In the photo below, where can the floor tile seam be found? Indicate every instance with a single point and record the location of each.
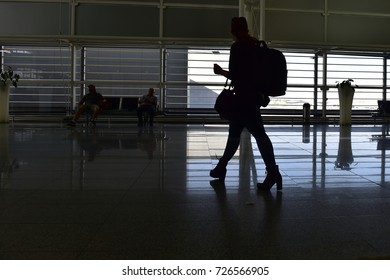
(92, 237)
(39, 250)
(384, 186)
(122, 198)
(99, 225)
(65, 203)
(373, 182)
(370, 245)
(297, 146)
(352, 216)
(212, 157)
(51, 223)
(325, 207)
(16, 200)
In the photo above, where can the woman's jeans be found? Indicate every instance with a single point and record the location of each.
(249, 118)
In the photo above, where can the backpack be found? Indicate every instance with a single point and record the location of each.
(271, 69)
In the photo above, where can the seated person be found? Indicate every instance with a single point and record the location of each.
(92, 102)
(147, 103)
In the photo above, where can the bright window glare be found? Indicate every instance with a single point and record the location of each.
(188, 80)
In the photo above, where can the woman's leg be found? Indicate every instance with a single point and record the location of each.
(255, 126)
(233, 141)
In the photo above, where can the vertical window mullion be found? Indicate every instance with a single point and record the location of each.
(384, 78)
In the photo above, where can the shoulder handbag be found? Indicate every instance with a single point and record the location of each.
(225, 103)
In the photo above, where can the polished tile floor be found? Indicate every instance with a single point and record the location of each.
(117, 192)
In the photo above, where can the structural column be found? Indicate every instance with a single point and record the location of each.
(254, 12)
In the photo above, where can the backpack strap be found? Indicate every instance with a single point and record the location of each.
(263, 43)
(226, 83)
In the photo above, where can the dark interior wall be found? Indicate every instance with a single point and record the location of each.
(18, 18)
(117, 20)
(347, 22)
(182, 19)
(335, 22)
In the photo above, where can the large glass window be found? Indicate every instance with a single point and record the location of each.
(388, 74)
(367, 73)
(45, 75)
(301, 81)
(122, 71)
(192, 83)
(176, 77)
(184, 75)
(203, 85)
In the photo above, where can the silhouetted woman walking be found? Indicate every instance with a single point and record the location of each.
(248, 101)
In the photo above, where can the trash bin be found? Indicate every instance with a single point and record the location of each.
(305, 133)
(306, 113)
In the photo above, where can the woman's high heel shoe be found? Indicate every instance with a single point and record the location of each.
(273, 177)
(219, 172)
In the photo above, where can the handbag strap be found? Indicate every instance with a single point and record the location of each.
(230, 84)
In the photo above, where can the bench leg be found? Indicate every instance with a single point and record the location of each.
(145, 118)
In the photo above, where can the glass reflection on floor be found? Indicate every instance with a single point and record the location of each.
(180, 156)
(319, 156)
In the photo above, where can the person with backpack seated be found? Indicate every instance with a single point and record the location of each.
(91, 102)
(147, 103)
(247, 106)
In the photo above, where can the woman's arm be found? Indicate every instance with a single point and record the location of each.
(219, 71)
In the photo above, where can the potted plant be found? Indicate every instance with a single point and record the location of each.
(348, 83)
(346, 91)
(7, 78)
